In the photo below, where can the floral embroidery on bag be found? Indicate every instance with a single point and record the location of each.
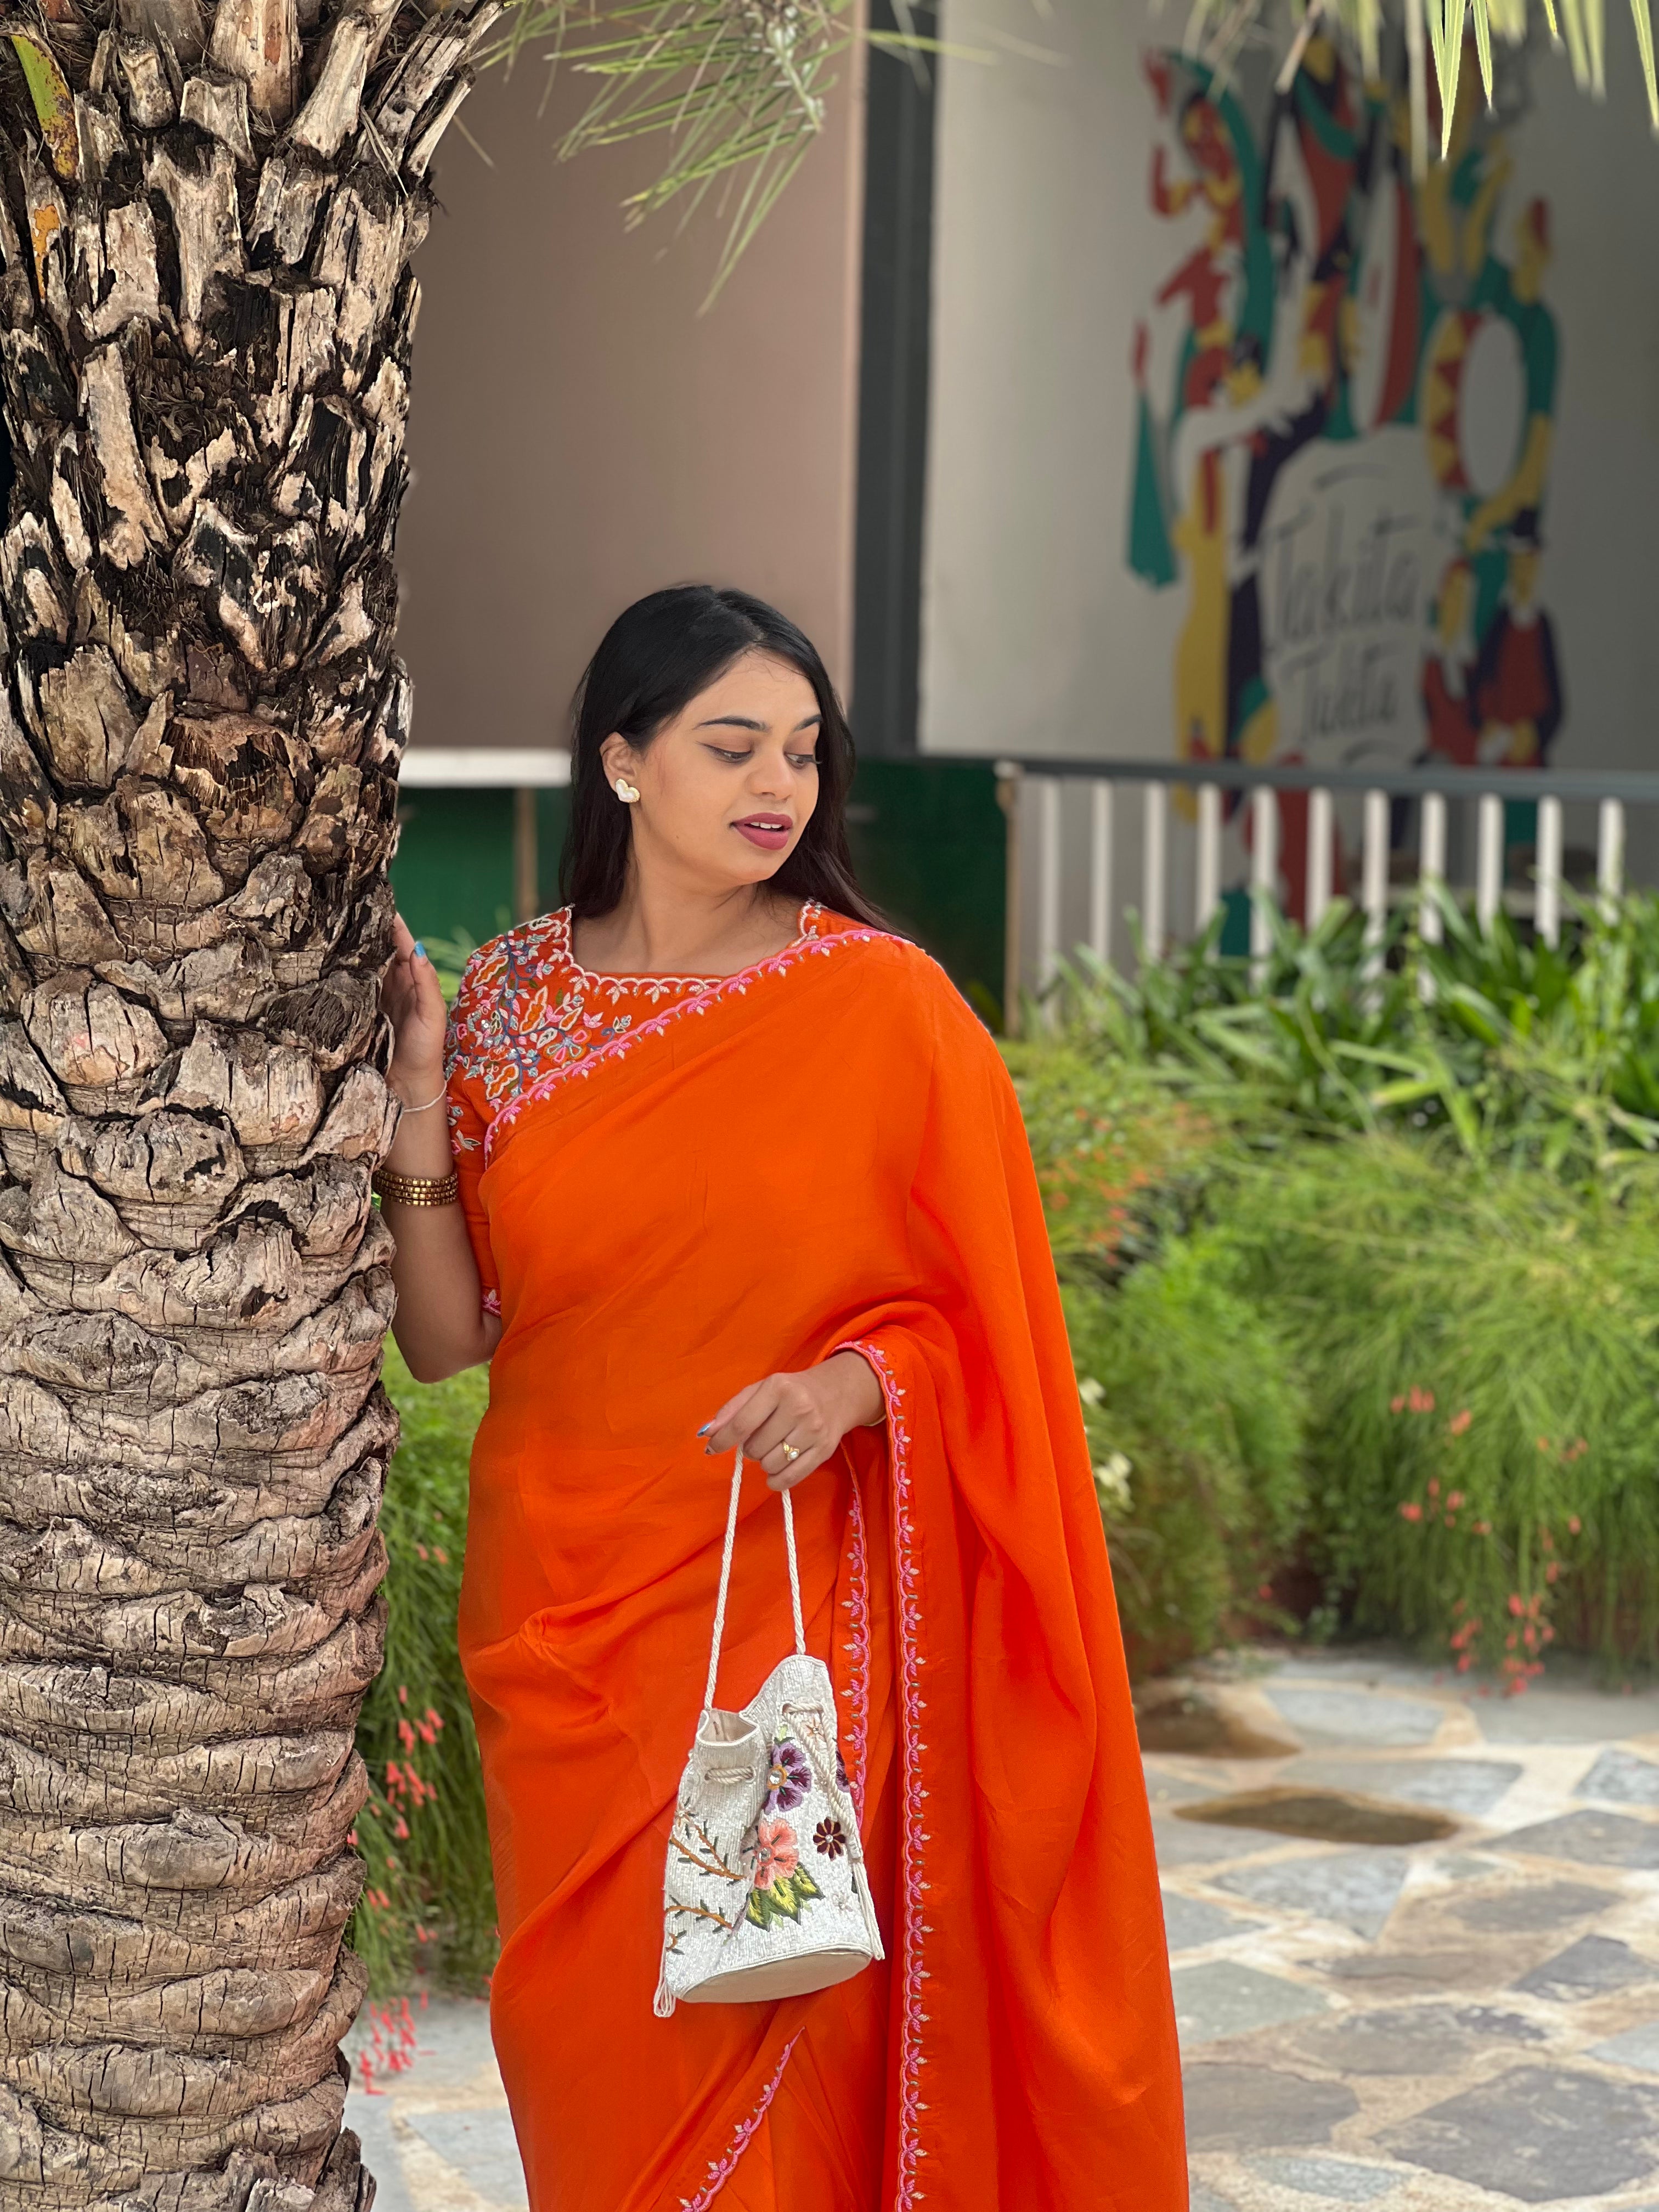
(789, 1778)
(830, 1839)
(782, 1884)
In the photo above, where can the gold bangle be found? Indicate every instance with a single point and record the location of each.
(417, 1190)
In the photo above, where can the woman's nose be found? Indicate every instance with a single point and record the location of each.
(770, 779)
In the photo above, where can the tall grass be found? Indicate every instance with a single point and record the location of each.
(1196, 1418)
(428, 1904)
(1481, 1357)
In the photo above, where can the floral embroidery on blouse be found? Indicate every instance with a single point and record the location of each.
(526, 1007)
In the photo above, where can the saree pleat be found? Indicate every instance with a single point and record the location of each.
(824, 1151)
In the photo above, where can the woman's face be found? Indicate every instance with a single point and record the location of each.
(727, 788)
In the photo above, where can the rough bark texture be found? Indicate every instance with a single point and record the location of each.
(205, 317)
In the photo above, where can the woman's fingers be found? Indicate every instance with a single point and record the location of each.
(781, 1424)
(430, 992)
(796, 1470)
(725, 1432)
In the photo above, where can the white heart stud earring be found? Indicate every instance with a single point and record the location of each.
(626, 792)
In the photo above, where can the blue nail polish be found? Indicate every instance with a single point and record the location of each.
(419, 950)
(706, 1427)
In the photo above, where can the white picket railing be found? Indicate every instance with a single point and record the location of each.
(1093, 843)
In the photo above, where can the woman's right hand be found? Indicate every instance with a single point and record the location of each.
(412, 1001)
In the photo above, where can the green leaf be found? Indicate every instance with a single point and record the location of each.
(54, 105)
(1644, 40)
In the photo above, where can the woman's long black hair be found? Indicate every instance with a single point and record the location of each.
(652, 661)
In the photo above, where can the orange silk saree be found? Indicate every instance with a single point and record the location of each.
(676, 1186)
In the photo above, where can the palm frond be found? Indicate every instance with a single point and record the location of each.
(737, 87)
(1212, 30)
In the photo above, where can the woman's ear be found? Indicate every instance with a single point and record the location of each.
(617, 758)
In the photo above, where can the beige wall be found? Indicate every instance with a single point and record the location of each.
(580, 436)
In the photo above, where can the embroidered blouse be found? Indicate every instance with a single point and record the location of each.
(525, 1009)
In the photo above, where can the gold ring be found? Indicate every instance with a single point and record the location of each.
(791, 1452)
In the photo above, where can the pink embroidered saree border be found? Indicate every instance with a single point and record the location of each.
(728, 987)
(912, 1797)
(721, 2170)
(858, 1647)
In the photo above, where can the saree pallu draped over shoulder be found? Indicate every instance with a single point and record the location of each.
(822, 1151)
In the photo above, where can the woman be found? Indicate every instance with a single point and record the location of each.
(736, 1166)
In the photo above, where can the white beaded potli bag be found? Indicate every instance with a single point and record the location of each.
(765, 1893)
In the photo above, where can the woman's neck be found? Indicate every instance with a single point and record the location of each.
(663, 930)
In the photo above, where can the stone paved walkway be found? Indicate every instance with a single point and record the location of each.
(1467, 2023)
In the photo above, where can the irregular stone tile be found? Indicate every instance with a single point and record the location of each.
(1209, 1720)
(1555, 1711)
(1245, 2108)
(1619, 1778)
(1636, 2046)
(1225, 1998)
(1593, 1838)
(1332, 2180)
(1377, 1666)
(1357, 1888)
(1206, 2200)
(1188, 1921)
(1413, 2038)
(1451, 1785)
(1323, 1816)
(481, 2146)
(371, 2119)
(1192, 1843)
(1164, 1788)
(1537, 2133)
(1464, 1866)
(1530, 1908)
(1427, 1972)
(1503, 2026)
(1587, 1967)
(1350, 1717)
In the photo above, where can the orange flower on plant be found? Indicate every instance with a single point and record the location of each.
(1410, 1511)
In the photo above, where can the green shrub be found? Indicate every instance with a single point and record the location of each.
(1123, 1159)
(1195, 1422)
(428, 1905)
(1482, 1367)
(1511, 1051)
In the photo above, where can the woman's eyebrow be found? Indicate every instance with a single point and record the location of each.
(747, 722)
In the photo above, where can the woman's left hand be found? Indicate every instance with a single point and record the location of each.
(809, 1413)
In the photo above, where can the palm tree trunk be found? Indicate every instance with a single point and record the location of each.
(205, 317)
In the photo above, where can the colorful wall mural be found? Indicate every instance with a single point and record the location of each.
(1346, 474)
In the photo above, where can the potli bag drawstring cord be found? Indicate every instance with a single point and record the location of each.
(726, 1577)
(663, 2005)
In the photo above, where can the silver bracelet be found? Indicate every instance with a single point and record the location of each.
(429, 1104)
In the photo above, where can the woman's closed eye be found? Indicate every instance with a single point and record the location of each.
(738, 759)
